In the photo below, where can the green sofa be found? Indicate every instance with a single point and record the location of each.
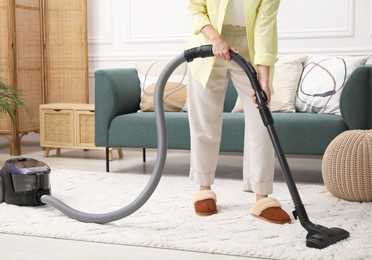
(118, 124)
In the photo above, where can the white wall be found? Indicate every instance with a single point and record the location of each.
(121, 32)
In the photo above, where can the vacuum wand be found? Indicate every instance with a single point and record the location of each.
(318, 236)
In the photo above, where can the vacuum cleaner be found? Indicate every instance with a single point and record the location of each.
(25, 181)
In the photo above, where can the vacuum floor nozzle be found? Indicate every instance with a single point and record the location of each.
(321, 237)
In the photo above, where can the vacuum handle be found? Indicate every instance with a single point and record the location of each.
(203, 51)
(206, 51)
(261, 96)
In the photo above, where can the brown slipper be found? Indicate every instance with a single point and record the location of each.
(269, 209)
(205, 203)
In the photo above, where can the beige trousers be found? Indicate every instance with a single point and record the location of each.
(205, 115)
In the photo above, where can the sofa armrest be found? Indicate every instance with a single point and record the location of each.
(356, 99)
(117, 91)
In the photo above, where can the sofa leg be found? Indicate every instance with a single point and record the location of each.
(144, 154)
(107, 159)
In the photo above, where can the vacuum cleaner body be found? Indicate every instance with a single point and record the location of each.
(23, 181)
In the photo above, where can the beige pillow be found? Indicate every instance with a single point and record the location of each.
(287, 75)
(175, 93)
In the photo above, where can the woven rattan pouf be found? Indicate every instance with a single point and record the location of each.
(347, 166)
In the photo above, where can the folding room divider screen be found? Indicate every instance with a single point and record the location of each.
(43, 54)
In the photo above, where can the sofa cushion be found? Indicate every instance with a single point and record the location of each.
(230, 97)
(175, 92)
(287, 75)
(300, 133)
(141, 127)
(307, 133)
(322, 82)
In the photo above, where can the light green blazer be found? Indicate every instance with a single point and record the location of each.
(261, 29)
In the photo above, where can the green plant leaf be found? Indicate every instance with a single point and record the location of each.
(9, 100)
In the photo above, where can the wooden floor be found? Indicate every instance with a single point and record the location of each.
(304, 169)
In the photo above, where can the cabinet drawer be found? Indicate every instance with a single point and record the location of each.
(85, 128)
(57, 128)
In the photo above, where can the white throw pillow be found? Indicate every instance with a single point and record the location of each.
(322, 81)
(285, 83)
(175, 94)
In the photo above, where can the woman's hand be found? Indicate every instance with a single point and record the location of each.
(220, 48)
(263, 78)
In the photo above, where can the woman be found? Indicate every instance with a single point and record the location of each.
(247, 27)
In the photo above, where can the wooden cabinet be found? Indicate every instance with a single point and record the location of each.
(85, 127)
(64, 125)
(43, 54)
(57, 127)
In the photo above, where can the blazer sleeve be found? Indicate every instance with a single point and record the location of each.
(265, 34)
(199, 15)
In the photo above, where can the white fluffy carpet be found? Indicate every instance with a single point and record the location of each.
(167, 220)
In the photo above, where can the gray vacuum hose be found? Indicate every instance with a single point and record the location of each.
(188, 55)
(157, 171)
(317, 237)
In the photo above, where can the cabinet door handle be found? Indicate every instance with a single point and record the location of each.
(57, 110)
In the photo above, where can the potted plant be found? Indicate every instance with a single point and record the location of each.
(9, 100)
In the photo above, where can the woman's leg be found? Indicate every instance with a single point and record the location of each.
(205, 117)
(259, 156)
